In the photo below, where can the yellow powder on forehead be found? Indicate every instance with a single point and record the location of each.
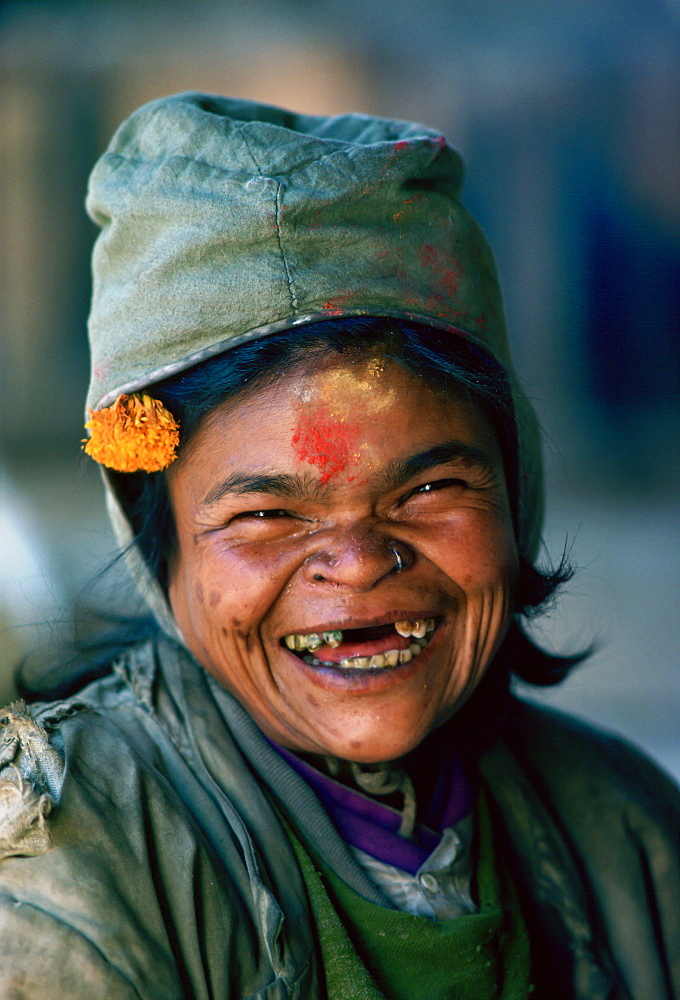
(135, 434)
(375, 367)
(344, 384)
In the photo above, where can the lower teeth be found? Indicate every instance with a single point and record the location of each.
(390, 658)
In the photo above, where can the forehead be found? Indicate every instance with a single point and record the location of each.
(343, 380)
(330, 413)
(346, 386)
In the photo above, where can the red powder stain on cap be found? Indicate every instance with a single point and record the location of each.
(336, 306)
(324, 441)
(402, 144)
(445, 268)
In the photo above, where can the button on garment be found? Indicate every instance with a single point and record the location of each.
(429, 882)
(440, 889)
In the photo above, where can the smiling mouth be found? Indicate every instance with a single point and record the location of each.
(372, 648)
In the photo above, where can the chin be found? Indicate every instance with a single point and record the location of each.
(373, 749)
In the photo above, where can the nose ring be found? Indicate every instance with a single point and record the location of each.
(399, 565)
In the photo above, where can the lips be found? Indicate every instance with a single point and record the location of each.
(366, 648)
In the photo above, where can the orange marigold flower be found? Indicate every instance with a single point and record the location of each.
(136, 433)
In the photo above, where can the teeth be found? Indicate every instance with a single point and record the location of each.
(391, 658)
(299, 642)
(332, 639)
(417, 630)
(357, 662)
(315, 662)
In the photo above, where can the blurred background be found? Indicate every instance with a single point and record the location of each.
(568, 117)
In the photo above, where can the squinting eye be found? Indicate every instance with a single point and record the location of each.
(437, 486)
(269, 523)
(440, 484)
(264, 513)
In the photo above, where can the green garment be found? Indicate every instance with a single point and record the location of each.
(373, 952)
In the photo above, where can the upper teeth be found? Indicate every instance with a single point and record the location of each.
(417, 628)
(314, 640)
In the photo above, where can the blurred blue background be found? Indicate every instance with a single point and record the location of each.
(568, 117)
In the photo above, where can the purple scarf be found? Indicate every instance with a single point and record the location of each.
(372, 826)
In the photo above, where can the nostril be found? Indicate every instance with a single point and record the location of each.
(358, 560)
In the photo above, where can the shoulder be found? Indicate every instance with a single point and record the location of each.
(610, 801)
(58, 909)
(595, 830)
(107, 871)
(587, 768)
(94, 746)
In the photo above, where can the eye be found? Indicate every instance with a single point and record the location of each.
(267, 524)
(262, 514)
(439, 484)
(435, 487)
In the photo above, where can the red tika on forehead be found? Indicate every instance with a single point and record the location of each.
(325, 441)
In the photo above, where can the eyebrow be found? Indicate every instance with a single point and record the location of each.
(396, 474)
(289, 487)
(399, 471)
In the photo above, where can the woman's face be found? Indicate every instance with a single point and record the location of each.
(294, 507)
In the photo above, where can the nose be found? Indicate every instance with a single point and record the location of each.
(357, 559)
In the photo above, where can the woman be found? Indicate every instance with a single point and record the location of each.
(312, 780)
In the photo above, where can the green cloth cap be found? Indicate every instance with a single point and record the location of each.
(224, 220)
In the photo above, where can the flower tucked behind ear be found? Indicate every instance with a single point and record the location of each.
(134, 434)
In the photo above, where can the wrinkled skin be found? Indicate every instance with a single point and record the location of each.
(310, 546)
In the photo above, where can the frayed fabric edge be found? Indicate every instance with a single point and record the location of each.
(31, 775)
(23, 816)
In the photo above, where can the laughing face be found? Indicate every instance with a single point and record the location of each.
(345, 560)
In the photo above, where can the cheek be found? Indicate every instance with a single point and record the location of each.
(476, 552)
(226, 589)
(490, 560)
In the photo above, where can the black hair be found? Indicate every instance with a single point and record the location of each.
(446, 363)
